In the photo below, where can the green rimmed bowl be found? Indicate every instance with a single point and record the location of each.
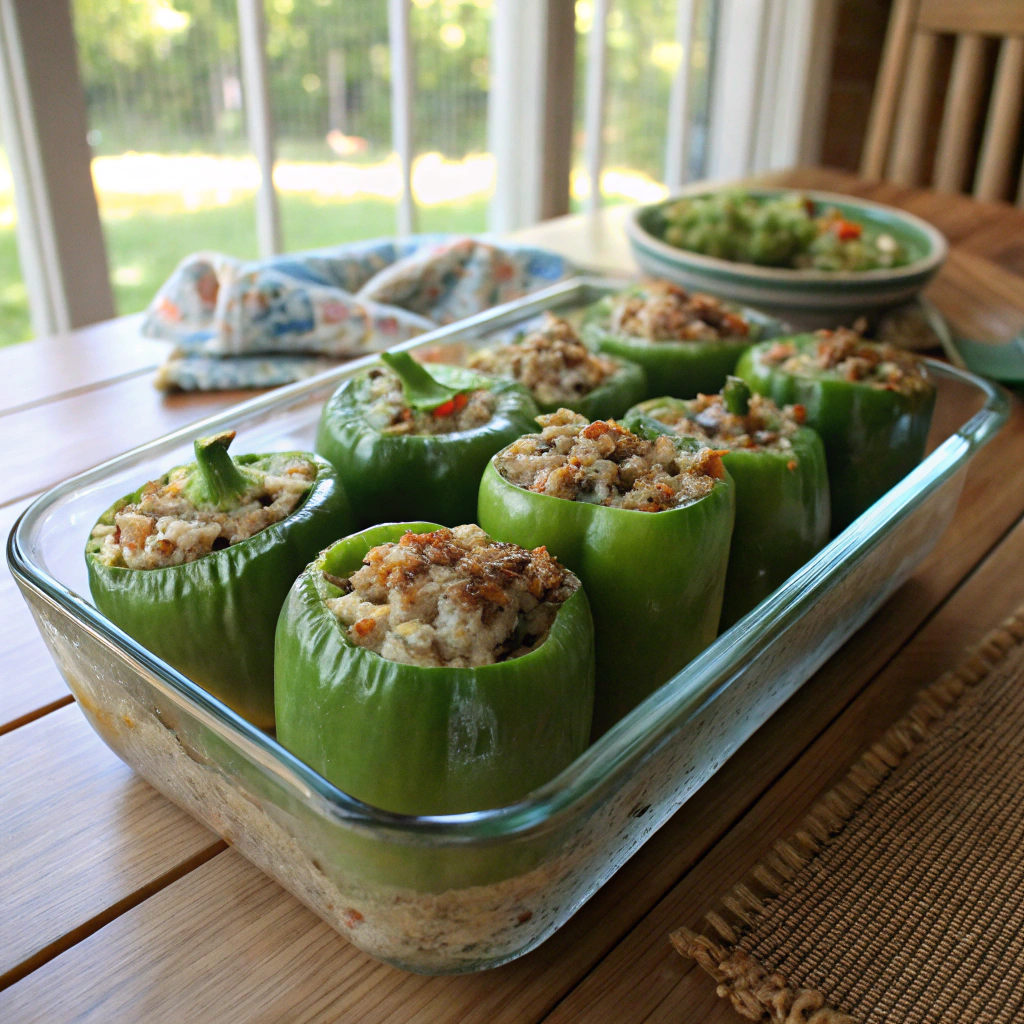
(808, 299)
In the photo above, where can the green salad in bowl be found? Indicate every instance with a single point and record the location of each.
(790, 230)
(816, 259)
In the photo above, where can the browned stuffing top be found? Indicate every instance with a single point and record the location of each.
(764, 426)
(451, 598)
(605, 464)
(845, 355)
(662, 311)
(551, 361)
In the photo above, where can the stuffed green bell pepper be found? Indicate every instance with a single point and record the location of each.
(410, 442)
(778, 467)
(645, 524)
(427, 670)
(196, 565)
(687, 344)
(562, 373)
(870, 403)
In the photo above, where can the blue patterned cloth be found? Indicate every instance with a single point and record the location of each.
(269, 322)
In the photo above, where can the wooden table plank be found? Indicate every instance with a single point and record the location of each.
(60, 438)
(84, 837)
(980, 299)
(644, 979)
(215, 934)
(596, 242)
(36, 371)
(31, 683)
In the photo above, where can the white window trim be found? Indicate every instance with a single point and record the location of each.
(772, 67)
(528, 119)
(60, 241)
(259, 119)
(400, 44)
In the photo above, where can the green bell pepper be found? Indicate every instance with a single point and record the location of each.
(555, 340)
(874, 435)
(391, 477)
(426, 740)
(655, 580)
(213, 618)
(782, 497)
(624, 388)
(683, 369)
(607, 400)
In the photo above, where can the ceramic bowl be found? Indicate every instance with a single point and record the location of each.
(808, 299)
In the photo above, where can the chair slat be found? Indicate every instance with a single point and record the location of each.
(983, 17)
(887, 89)
(912, 123)
(960, 117)
(1001, 129)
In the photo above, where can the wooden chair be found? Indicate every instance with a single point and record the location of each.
(900, 138)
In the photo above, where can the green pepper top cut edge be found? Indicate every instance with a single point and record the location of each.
(735, 419)
(551, 361)
(450, 598)
(659, 312)
(605, 463)
(843, 355)
(202, 507)
(405, 398)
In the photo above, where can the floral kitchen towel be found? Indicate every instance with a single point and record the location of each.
(273, 321)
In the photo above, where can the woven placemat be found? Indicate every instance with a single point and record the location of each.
(901, 896)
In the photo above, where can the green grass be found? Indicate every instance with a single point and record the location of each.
(145, 247)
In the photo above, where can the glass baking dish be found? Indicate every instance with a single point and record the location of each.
(470, 891)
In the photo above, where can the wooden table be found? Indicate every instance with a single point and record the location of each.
(116, 906)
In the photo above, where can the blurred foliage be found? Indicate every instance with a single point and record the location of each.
(165, 75)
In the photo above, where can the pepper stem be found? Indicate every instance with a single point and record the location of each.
(421, 390)
(736, 396)
(222, 480)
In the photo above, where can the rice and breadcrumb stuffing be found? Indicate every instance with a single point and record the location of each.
(765, 425)
(387, 411)
(551, 361)
(164, 527)
(845, 355)
(451, 598)
(605, 464)
(662, 311)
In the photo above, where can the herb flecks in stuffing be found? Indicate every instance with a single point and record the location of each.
(452, 598)
(388, 412)
(606, 464)
(844, 355)
(551, 361)
(165, 527)
(662, 311)
(706, 417)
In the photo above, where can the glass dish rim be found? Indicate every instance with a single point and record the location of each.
(632, 740)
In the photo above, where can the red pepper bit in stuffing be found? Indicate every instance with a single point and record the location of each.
(455, 404)
(799, 413)
(364, 627)
(779, 351)
(847, 230)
